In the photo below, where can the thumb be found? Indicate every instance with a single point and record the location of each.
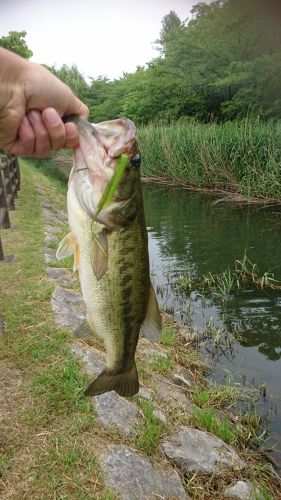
(76, 107)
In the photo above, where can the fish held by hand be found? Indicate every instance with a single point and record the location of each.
(108, 239)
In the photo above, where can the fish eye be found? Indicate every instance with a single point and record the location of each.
(136, 161)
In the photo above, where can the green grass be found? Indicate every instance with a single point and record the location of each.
(150, 431)
(53, 440)
(206, 419)
(243, 274)
(57, 172)
(242, 158)
(160, 364)
(169, 336)
(52, 419)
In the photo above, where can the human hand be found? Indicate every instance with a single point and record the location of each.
(32, 102)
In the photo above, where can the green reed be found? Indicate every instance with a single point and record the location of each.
(242, 158)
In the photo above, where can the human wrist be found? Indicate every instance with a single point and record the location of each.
(11, 67)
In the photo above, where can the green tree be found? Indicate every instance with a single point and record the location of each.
(222, 64)
(15, 41)
(73, 78)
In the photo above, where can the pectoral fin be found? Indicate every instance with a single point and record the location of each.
(99, 254)
(84, 331)
(67, 247)
(152, 325)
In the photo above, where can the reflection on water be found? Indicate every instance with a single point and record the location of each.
(189, 232)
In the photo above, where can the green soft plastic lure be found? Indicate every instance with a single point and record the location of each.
(112, 185)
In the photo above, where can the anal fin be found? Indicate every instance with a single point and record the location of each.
(84, 331)
(152, 325)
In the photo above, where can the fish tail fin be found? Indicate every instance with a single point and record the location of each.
(125, 383)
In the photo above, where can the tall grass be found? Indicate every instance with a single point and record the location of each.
(243, 157)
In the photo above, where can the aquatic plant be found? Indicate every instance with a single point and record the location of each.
(244, 274)
(237, 160)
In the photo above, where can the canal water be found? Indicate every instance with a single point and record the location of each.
(192, 233)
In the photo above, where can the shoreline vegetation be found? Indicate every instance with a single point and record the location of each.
(237, 162)
(52, 378)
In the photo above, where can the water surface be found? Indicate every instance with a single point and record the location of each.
(189, 232)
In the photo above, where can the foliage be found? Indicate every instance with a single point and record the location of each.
(15, 41)
(241, 157)
(73, 78)
(244, 274)
(221, 64)
(148, 433)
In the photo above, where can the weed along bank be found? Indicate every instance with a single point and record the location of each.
(108, 446)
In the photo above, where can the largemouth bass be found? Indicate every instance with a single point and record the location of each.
(110, 251)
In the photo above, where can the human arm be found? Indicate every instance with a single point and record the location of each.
(32, 102)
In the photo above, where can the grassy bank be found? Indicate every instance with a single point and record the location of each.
(48, 449)
(241, 159)
(50, 437)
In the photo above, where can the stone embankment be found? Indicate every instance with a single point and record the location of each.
(184, 451)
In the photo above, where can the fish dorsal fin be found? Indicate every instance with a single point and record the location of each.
(67, 247)
(152, 325)
(84, 331)
(99, 254)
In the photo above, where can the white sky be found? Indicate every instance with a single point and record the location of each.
(102, 37)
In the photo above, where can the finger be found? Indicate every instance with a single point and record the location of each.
(55, 127)
(76, 107)
(42, 141)
(25, 144)
(72, 139)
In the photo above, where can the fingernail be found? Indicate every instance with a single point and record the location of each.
(71, 131)
(52, 117)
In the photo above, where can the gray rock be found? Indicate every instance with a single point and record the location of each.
(45, 202)
(160, 416)
(182, 377)
(113, 411)
(145, 393)
(59, 275)
(243, 490)
(134, 477)
(93, 362)
(172, 394)
(53, 229)
(196, 451)
(68, 307)
(49, 213)
(54, 217)
(155, 352)
(49, 254)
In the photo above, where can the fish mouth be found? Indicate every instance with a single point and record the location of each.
(96, 158)
(106, 140)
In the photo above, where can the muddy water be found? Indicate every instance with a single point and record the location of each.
(188, 232)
